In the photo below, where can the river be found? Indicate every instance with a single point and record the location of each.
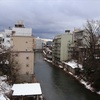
(58, 85)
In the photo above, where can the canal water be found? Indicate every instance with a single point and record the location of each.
(57, 85)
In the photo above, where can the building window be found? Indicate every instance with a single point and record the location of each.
(33, 40)
(74, 41)
(69, 41)
(27, 57)
(16, 55)
(7, 35)
(27, 65)
(16, 62)
(3, 40)
(8, 40)
(13, 32)
(27, 73)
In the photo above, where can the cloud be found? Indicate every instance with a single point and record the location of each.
(48, 17)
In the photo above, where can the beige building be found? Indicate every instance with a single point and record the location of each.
(22, 45)
(61, 46)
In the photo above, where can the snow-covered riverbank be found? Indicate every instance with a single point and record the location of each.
(87, 86)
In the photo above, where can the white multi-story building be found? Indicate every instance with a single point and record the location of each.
(60, 47)
(39, 43)
(6, 39)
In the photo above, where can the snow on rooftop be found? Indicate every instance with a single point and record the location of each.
(26, 89)
(46, 39)
(1, 35)
(73, 64)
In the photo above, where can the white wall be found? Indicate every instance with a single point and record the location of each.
(23, 31)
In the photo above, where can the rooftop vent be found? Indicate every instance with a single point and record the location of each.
(67, 31)
(19, 24)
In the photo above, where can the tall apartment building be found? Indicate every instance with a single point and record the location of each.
(41, 43)
(79, 49)
(61, 46)
(22, 44)
(81, 39)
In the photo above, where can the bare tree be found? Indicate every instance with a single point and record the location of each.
(92, 59)
(92, 30)
(9, 65)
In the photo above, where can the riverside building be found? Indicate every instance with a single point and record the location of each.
(22, 44)
(60, 47)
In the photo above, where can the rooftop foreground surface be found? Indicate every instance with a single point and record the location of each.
(26, 89)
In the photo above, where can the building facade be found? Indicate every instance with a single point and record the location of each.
(39, 43)
(22, 44)
(80, 44)
(60, 47)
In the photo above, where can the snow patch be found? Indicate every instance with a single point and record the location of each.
(60, 66)
(73, 64)
(48, 60)
(5, 88)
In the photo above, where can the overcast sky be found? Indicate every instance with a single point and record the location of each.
(48, 18)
